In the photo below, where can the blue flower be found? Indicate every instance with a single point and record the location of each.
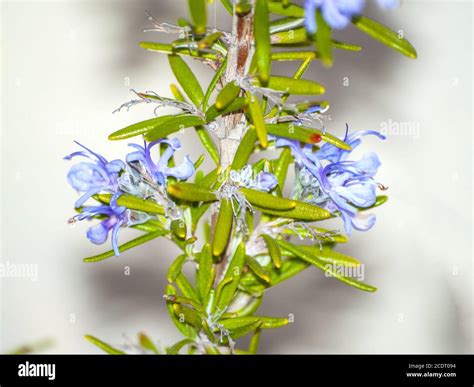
(116, 216)
(329, 179)
(95, 176)
(388, 4)
(263, 181)
(337, 13)
(160, 170)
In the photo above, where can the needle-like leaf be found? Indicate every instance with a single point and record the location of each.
(385, 35)
(186, 77)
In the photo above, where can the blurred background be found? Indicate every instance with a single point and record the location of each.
(66, 65)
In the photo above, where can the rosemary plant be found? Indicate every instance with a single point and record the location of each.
(255, 237)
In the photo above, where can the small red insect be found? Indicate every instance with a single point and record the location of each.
(315, 138)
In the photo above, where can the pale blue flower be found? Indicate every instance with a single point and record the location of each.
(159, 171)
(338, 13)
(97, 175)
(116, 216)
(388, 4)
(263, 181)
(327, 178)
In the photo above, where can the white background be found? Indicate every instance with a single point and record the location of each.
(67, 65)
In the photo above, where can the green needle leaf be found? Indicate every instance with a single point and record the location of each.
(245, 329)
(324, 266)
(186, 78)
(258, 270)
(295, 86)
(227, 95)
(178, 227)
(245, 149)
(323, 40)
(292, 10)
(262, 199)
(294, 55)
(185, 329)
(231, 278)
(170, 49)
(262, 40)
(223, 227)
(228, 6)
(250, 308)
(189, 315)
(191, 192)
(280, 168)
(147, 343)
(127, 246)
(186, 288)
(266, 322)
(174, 350)
(289, 269)
(198, 12)
(256, 113)
(173, 125)
(150, 226)
(302, 211)
(254, 341)
(208, 143)
(293, 36)
(133, 203)
(175, 269)
(177, 93)
(237, 104)
(209, 40)
(306, 135)
(205, 274)
(215, 80)
(273, 250)
(346, 46)
(139, 128)
(184, 301)
(385, 35)
(285, 24)
(104, 346)
(328, 255)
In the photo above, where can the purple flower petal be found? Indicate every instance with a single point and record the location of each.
(333, 16)
(98, 234)
(266, 181)
(183, 171)
(388, 4)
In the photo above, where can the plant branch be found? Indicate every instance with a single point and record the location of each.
(240, 55)
(232, 129)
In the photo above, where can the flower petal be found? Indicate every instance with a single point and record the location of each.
(333, 16)
(266, 181)
(360, 195)
(388, 4)
(310, 15)
(183, 171)
(349, 7)
(363, 222)
(85, 176)
(98, 234)
(115, 232)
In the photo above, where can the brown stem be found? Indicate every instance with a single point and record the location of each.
(240, 55)
(230, 133)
